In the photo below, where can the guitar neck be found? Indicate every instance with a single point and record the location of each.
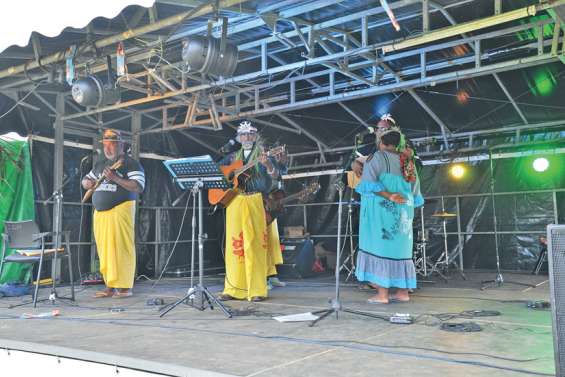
(245, 167)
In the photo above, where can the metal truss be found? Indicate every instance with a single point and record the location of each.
(334, 67)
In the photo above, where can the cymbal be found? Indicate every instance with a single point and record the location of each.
(444, 214)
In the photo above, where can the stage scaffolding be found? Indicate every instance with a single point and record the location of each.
(158, 244)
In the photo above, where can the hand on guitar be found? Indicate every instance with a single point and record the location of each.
(265, 161)
(357, 168)
(110, 174)
(87, 184)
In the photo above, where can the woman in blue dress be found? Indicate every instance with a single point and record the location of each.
(389, 191)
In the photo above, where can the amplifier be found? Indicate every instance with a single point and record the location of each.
(556, 266)
(298, 258)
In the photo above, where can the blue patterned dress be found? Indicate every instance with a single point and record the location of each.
(385, 227)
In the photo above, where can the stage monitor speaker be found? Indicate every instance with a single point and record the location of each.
(556, 263)
(298, 258)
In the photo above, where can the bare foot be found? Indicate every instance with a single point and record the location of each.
(377, 299)
(106, 292)
(400, 296)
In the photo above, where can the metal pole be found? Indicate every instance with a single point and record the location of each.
(491, 170)
(424, 241)
(338, 253)
(459, 235)
(200, 238)
(58, 177)
(157, 248)
(555, 210)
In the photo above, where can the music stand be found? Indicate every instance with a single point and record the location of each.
(195, 174)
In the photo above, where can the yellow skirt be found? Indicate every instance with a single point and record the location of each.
(252, 248)
(115, 243)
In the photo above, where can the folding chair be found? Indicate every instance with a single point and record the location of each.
(29, 247)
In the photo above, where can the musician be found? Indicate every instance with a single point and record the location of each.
(114, 211)
(390, 191)
(252, 247)
(363, 152)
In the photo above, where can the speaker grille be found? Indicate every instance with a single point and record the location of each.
(556, 257)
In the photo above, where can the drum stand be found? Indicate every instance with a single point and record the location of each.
(444, 260)
(421, 262)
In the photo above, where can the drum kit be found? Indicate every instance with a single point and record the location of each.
(424, 263)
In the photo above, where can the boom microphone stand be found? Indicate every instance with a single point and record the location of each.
(335, 303)
(498, 281)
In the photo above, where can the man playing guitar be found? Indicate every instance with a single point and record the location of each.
(252, 246)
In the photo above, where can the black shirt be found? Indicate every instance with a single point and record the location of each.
(110, 194)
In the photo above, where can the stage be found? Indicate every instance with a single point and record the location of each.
(189, 342)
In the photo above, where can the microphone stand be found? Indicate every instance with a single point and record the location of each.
(57, 198)
(335, 303)
(498, 281)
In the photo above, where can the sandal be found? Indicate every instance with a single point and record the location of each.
(225, 297)
(258, 298)
(104, 293)
(119, 294)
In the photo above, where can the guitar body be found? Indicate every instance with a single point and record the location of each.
(236, 173)
(224, 197)
(274, 205)
(352, 180)
(118, 164)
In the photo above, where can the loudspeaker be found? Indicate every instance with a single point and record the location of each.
(556, 264)
(298, 258)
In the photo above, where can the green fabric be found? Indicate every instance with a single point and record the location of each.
(17, 198)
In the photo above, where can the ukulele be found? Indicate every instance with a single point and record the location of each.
(116, 165)
(275, 201)
(235, 172)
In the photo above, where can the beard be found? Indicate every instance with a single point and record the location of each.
(247, 145)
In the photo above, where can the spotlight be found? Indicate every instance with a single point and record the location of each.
(457, 171)
(93, 91)
(541, 164)
(208, 56)
(96, 91)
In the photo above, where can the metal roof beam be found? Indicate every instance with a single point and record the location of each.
(166, 22)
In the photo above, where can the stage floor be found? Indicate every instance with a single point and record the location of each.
(253, 344)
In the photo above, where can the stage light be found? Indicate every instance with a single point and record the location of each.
(541, 164)
(93, 91)
(205, 55)
(457, 171)
(462, 96)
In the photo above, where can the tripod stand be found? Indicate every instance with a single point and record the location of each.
(195, 169)
(499, 279)
(57, 197)
(445, 258)
(335, 303)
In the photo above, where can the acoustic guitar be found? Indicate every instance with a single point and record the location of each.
(236, 173)
(274, 203)
(116, 165)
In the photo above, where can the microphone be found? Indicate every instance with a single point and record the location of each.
(368, 131)
(231, 146)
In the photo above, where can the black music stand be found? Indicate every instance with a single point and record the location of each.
(195, 174)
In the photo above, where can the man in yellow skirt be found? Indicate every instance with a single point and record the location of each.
(252, 247)
(114, 214)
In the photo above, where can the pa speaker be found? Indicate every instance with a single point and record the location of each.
(556, 264)
(298, 258)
